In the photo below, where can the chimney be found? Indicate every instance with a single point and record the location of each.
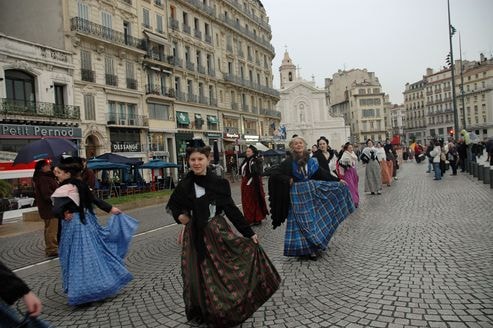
(429, 71)
(481, 57)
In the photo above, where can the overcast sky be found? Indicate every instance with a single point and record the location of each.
(396, 39)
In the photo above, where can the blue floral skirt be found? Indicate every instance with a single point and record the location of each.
(317, 209)
(91, 257)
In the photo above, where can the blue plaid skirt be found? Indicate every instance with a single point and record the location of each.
(91, 257)
(317, 208)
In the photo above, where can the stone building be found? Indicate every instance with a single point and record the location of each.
(36, 95)
(304, 109)
(414, 119)
(150, 74)
(357, 96)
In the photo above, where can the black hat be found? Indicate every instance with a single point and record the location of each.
(195, 143)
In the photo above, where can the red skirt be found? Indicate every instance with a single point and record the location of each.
(253, 200)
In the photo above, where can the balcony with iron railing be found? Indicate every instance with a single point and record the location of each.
(128, 2)
(10, 108)
(211, 72)
(87, 75)
(186, 28)
(174, 24)
(191, 98)
(190, 66)
(197, 34)
(208, 38)
(203, 100)
(250, 84)
(250, 15)
(159, 90)
(111, 79)
(118, 119)
(213, 102)
(131, 83)
(203, 7)
(101, 32)
(270, 112)
(201, 69)
(160, 57)
(234, 105)
(245, 108)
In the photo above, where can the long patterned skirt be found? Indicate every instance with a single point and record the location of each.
(253, 200)
(231, 283)
(386, 172)
(352, 180)
(373, 177)
(317, 209)
(91, 257)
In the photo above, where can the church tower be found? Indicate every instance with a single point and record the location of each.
(287, 70)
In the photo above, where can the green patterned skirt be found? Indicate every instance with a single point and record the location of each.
(234, 280)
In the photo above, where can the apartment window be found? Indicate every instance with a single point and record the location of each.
(187, 54)
(106, 20)
(207, 30)
(362, 91)
(230, 67)
(158, 3)
(89, 108)
(83, 11)
(185, 18)
(126, 32)
(20, 87)
(159, 23)
(146, 18)
(211, 92)
(109, 70)
(198, 56)
(190, 87)
(172, 10)
(177, 85)
(196, 24)
(159, 112)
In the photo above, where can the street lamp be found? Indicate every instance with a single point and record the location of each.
(451, 32)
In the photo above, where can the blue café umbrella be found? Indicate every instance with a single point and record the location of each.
(100, 164)
(157, 164)
(46, 148)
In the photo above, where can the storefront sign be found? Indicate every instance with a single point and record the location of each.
(214, 135)
(125, 146)
(14, 130)
(231, 135)
(251, 137)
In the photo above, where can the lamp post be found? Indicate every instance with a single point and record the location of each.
(462, 86)
(451, 31)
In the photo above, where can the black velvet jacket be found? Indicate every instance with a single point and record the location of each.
(217, 193)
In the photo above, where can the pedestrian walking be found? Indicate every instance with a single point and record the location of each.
(91, 256)
(226, 278)
(373, 174)
(385, 167)
(391, 156)
(252, 189)
(12, 289)
(88, 175)
(45, 183)
(311, 200)
(347, 171)
(435, 154)
(453, 156)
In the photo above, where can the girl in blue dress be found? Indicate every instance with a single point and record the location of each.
(91, 256)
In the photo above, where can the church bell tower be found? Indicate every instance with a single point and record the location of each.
(287, 70)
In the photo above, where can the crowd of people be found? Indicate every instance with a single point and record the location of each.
(226, 276)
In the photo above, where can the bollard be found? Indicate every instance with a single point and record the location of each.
(491, 177)
(480, 172)
(486, 175)
(474, 169)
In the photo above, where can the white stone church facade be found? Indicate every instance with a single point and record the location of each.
(304, 109)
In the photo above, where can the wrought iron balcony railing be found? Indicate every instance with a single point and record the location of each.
(40, 109)
(132, 84)
(174, 24)
(208, 38)
(111, 79)
(119, 119)
(159, 90)
(197, 34)
(87, 75)
(186, 28)
(84, 26)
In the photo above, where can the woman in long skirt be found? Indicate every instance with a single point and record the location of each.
(347, 171)
(91, 256)
(373, 178)
(226, 278)
(315, 204)
(252, 190)
(385, 168)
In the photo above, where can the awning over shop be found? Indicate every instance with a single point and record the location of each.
(182, 118)
(156, 38)
(212, 119)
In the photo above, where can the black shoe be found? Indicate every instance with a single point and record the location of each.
(373, 193)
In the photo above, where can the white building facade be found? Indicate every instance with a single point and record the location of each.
(304, 110)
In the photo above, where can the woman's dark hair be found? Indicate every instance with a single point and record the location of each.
(324, 139)
(346, 145)
(254, 149)
(197, 146)
(39, 165)
(72, 165)
(368, 141)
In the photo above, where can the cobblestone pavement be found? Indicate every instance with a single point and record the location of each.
(419, 255)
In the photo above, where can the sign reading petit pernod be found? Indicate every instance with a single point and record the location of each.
(40, 131)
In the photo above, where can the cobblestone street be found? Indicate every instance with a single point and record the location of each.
(419, 255)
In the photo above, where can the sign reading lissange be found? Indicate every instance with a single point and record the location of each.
(39, 131)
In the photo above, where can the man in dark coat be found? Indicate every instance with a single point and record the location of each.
(45, 184)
